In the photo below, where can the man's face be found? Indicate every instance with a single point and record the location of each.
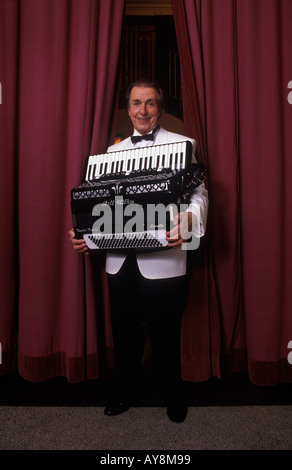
(143, 109)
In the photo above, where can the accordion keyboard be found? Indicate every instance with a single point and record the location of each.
(121, 241)
(173, 156)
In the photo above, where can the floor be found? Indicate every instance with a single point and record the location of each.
(225, 414)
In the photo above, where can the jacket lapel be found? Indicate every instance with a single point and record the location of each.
(162, 137)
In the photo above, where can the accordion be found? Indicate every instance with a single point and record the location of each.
(127, 199)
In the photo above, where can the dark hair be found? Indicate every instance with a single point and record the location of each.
(146, 83)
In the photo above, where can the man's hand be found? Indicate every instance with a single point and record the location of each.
(78, 245)
(183, 223)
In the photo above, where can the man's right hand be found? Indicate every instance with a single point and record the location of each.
(78, 244)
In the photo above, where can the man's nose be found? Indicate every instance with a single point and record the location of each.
(143, 109)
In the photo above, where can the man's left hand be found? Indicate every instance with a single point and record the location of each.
(183, 223)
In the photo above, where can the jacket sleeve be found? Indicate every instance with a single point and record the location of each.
(198, 205)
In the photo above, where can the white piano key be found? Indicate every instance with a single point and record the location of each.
(161, 157)
(133, 157)
(173, 156)
(95, 162)
(129, 158)
(92, 167)
(113, 162)
(138, 158)
(88, 169)
(183, 162)
(178, 156)
(116, 162)
(109, 163)
(104, 161)
(99, 165)
(168, 153)
(92, 176)
(155, 156)
(105, 164)
(144, 158)
(121, 161)
(150, 155)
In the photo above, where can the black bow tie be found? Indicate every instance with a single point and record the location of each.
(138, 138)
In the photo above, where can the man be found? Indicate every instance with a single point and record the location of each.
(151, 287)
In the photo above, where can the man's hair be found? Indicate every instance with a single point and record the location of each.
(146, 83)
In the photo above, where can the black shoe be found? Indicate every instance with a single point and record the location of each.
(177, 413)
(116, 407)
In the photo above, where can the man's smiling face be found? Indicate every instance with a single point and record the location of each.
(144, 110)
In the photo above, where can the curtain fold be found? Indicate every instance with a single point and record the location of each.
(201, 323)
(236, 65)
(8, 180)
(59, 80)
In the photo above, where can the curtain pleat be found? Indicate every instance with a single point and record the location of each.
(236, 65)
(59, 89)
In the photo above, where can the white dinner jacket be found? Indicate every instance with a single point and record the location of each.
(172, 262)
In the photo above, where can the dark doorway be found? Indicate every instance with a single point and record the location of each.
(149, 49)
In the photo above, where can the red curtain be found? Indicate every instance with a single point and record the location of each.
(236, 66)
(58, 70)
(59, 62)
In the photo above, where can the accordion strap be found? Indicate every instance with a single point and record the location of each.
(196, 175)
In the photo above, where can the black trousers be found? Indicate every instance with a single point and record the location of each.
(158, 303)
